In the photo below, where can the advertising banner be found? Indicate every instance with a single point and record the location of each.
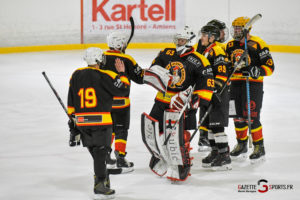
(151, 17)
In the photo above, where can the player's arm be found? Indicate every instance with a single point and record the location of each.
(221, 72)
(135, 72)
(266, 61)
(115, 84)
(205, 83)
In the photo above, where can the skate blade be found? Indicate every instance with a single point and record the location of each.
(126, 169)
(206, 165)
(222, 168)
(102, 196)
(204, 148)
(258, 160)
(240, 158)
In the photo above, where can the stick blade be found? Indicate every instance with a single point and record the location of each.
(254, 19)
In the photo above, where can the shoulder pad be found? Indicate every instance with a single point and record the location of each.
(218, 50)
(259, 41)
(202, 58)
(126, 56)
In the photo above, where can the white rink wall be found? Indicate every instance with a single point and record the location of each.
(44, 22)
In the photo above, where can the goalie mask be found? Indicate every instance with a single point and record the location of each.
(224, 33)
(184, 40)
(117, 40)
(237, 27)
(93, 56)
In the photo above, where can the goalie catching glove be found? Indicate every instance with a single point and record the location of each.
(74, 134)
(159, 78)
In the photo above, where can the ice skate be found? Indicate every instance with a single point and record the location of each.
(258, 154)
(222, 162)
(123, 164)
(239, 153)
(102, 189)
(206, 162)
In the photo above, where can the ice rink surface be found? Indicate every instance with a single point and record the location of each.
(36, 162)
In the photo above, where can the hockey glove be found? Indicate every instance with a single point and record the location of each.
(216, 98)
(254, 72)
(74, 134)
(179, 100)
(195, 101)
(241, 65)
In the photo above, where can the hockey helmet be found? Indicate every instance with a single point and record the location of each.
(237, 27)
(224, 33)
(117, 40)
(210, 30)
(93, 56)
(187, 34)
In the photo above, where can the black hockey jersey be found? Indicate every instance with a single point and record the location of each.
(259, 55)
(133, 71)
(192, 68)
(91, 94)
(218, 60)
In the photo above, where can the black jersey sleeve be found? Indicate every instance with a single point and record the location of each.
(115, 84)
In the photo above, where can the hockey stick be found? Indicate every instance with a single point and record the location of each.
(131, 33)
(246, 30)
(132, 29)
(180, 114)
(56, 94)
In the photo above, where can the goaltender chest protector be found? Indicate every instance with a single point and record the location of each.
(183, 67)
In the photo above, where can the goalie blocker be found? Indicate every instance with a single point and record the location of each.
(172, 159)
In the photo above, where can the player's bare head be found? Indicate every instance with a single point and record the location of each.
(93, 56)
(237, 27)
(209, 34)
(184, 40)
(224, 33)
(117, 40)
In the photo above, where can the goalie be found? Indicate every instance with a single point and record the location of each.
(165, 129)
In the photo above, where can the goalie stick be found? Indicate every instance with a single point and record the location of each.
(181, 113)
(246, 29)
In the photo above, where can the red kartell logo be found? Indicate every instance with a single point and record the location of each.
(147, 11)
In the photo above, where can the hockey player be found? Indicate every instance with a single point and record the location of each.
(117, 42)
(217, 119)
(89, 103)
(223, 35)
(191, 69)
(260, 64)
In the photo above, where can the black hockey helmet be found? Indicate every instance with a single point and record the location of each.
(217, 23)
(211, 31)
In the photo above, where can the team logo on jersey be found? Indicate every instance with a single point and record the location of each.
(237, 54)
(177, 69)
(270, 62)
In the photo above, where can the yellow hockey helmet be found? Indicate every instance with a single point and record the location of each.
(240, 21)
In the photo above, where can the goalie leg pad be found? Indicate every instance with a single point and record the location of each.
(154, 143)
(150, 129)
(178, 147)
(158, 166)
